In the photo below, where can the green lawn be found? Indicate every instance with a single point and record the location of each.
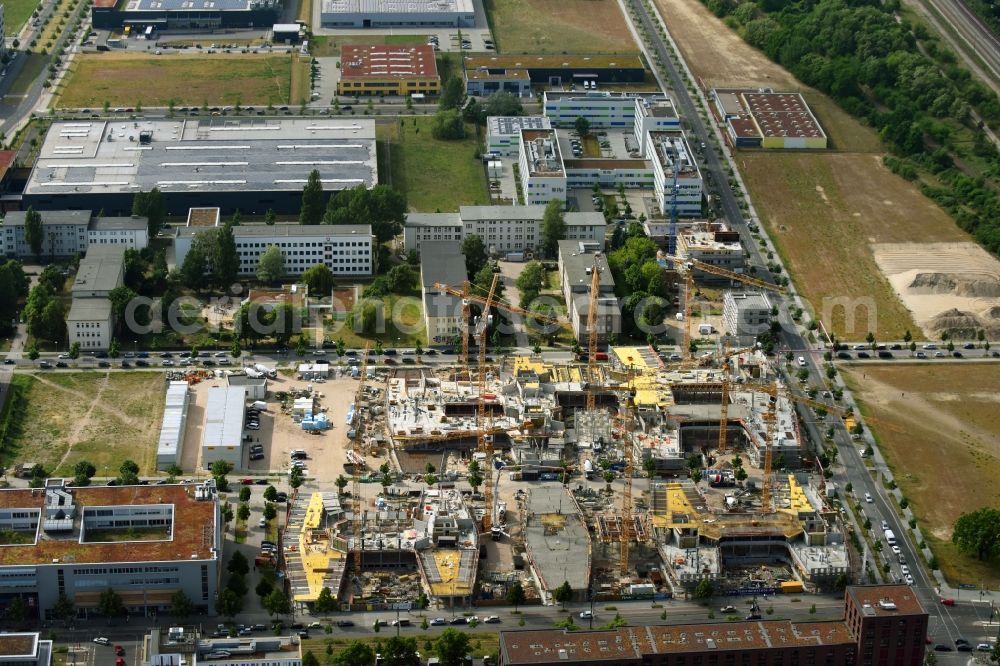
(434, 175)
(404, 327)
(16, 12)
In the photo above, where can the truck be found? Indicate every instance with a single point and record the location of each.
(588, 469)
(270, 372)
(890, 538)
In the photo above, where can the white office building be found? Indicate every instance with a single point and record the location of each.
(540, 161)
(90, 321)
(69, 232)
(746, 314)
(503, 229)
(222, 436)
(503, 133)
(577, 261)
(670, 154)
(132, 232)
(604, 109)
(347, 250)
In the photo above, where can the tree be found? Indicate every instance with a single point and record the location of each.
(451, 647)
(74, 350)
(356, 653)
(553, 228)
(271, 494)
(475, 476)
(530, 282)
(180, 605)
(269, 217)
(243, 512)
(502, 104)
(110, 604)
(238, 564)
(309, 659)
(194, 269)
(33, 233)
(401, 279)
(269, 511)
(448, 126)
(704, 589)
(226, 261)
(276, 603)
(563, 593)
(341, 483)
(228, 603)
(325, 602)
(319, 279)
(474, 250)
(452, 94)
(399, 651)
(978, 533)
(128, 473)
(582, 126)
(83, 471)
(238, 584)
(515, 595)
(263, 588)
(313, 203)
(153, 207)
(64, 608)
(271, 266)
(17, 610)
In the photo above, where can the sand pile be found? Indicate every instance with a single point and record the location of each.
(966, 325)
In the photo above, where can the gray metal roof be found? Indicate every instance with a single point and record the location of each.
(188, 5)
(433, 220)
(80, 217)
(578, 264)
(224, 417)
(133, 223)
(174, 412)
(100, 269)
(287, 230)
(243, 380)
(204, 155)
(397, 6)
(89, 309)
(441, 261)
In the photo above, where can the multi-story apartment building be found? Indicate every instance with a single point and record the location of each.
(884, 624)
(90, 321)
(69, 232)
(143, 542)
(132, 232)
(670, 154)
(577, 261)
(441, 262)
(502, 228)
(542, 174)
(345, 249)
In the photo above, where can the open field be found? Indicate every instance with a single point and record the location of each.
(567, 26)
(300, 91)
(434, 175)
(16, 12)
(105, 418)
(404, 325)
(120, 79)
(943, 448)
(825, 211)
(485, 643)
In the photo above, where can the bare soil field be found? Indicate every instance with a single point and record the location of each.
(825, 211)
(105, 418)
(121, 80)
(945, 455)
(559, 26)
(949, 287)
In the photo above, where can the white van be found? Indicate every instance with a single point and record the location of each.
(802, 361)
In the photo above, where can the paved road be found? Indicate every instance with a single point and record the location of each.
(973, 37)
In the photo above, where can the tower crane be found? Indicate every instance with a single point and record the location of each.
(628, 524)
(595, 288)
(358, 426)
(485, 443)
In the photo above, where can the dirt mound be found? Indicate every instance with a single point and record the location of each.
(978, 288)
(958, 324)
(991, 313)
(959, 285)
(932, 283)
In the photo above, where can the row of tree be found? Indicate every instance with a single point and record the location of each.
(14, 286)
(382, 207)
(450, 648)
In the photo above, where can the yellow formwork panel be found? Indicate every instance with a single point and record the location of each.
(448, 565)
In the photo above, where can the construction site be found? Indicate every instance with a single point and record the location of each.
(637, 477)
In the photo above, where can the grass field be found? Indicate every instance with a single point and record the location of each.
(329, 45)
(482, 644)
(404, 325)
(824, 211)
(105, 418)
(15, 13)
(434, 175)
(120, 79)
(566, 26)
(942, 446)
(300, 90)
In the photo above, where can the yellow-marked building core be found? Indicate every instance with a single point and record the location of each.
(798, 502)
(449, 572)
(322, 563)
(677, 506)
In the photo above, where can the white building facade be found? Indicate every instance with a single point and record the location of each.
(540, 163)
(132, 232)
(669, 152)
(64, 233)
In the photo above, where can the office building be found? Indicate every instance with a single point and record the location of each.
(746, 314)
(503, 133)
(345, 249)
(250, 164)
(90, 321)
(762, 118)
(144, 18)
(712, 244)
(504, 229)
(671, 155)
(884, 625)
(398, 14)
(222, 436)
(484, 81)
(557, 69)
(604, 109)
(132, 231)
(69, 232)
(577, 261)
(187, 646)
(24, 649)
(543, 176)
(388, 70)
(442, 262)
(143, 542)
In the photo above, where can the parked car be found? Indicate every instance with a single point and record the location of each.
(246, 482)
(728, 609)
(101, 640)
(586, 615)
(438, 621)
(348, 623)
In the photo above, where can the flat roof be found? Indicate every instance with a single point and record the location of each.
(18, 645)
(744, 128)
(208, 154)
(886, 600)
(782, 115)
(433, 220)
(501, 74)
(554, 61)
(89, 309)
(133, 223)
(224, 417)
(599, 163)
(387, 62)
(190, 5)
(194, 527)
(441, 261)
(672, 151)
(542, 149)
(174, 415)
(74, 217)
(557, 538)
(289, 231)
(397, 6)
(578, 264)
(512, 125)
(100, 269)
(749, 299)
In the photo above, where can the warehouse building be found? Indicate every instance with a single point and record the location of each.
(557, 70)
(397, 13)
(346, 249)
(388, 70)
(670, 154)
(255, 388)
(543, 176)
(168, 451)
(884, 624)
(577, 261)
(222, 436)
(251, 164)
(162, 15)
(442, 262)
(504, 229)
(144, 542)
(762, 118)
(503, 133)
(90, 321)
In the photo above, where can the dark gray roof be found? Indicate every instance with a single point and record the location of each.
(133, 223)
(100, 269)
(89, 309)
(441, 262)
(578, 263)
(81, 217)
(287, 230)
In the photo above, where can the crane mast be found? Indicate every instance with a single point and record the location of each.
(358, 424)
(595, 288)
(485, 443)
